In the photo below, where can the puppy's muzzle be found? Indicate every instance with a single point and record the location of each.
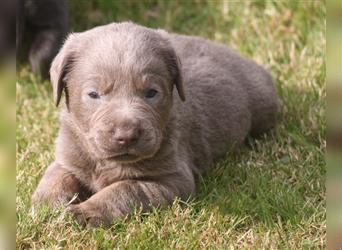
(124, 134)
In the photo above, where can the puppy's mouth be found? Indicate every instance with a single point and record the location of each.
(125, 157)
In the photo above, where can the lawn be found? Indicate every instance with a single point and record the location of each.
(270, 194)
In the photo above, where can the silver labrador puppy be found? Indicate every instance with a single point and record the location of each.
(125, 139)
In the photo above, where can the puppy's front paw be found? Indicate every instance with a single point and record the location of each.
(51, 199)
(88, 215)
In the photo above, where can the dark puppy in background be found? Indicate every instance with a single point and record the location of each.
(126, 138)
(7, 29)
(41, 27)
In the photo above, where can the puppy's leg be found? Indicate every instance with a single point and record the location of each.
(120, 199)
(264, 102)
(44, 48)
(57, 187)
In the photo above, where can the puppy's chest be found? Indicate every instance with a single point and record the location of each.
(104, 175)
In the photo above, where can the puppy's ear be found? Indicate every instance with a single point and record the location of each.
(174, 64)
(60, 66)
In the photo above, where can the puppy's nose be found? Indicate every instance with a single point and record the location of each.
(126, 136)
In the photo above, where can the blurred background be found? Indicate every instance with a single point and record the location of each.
(229, 22)
(334, 118)
(7, 124)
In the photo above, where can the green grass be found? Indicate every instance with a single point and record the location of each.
(269, 195)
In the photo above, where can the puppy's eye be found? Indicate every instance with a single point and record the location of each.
(94, 95)
(150, 93)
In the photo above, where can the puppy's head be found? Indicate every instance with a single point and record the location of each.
(118, 81)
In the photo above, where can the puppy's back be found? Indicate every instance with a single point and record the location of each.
(227, 95)
(253, 78)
